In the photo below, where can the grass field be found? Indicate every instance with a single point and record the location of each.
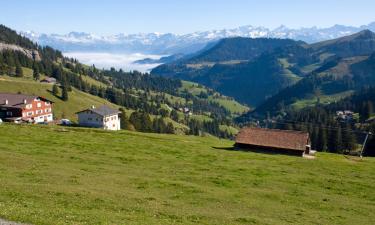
(55, 175)
(323, 99)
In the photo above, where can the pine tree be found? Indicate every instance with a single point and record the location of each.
(338, 141)
(315, 138)
(36, 74)
(19, 71)
(64, 95)
(55, 90)
(124, 120)
(322, 144)
(349, 139)
(169, 128)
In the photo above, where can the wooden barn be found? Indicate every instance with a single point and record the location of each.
(274, 141)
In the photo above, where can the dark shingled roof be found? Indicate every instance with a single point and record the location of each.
(17, 100)
(283, 139)
(102, 110)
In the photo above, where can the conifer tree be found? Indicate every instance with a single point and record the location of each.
(55, 90)
(322, 144)
(64, 95)
(349, 139)
(36, 74)
(19, 71)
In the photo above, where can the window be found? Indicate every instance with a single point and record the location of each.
(89, 119)
(39, 105)
(9, 113)
(47, 110)
(30, 113)
(29, 106)
(39, 112)
(47, 103)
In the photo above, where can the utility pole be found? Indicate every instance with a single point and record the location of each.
(364, 143)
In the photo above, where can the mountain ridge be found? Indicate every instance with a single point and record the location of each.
(169, 43)
(258, 77)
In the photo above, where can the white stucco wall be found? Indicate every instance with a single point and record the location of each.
(112, 122)
(43, 118)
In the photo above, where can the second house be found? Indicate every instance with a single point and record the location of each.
(102, 117)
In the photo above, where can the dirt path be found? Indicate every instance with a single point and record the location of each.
(4, 222)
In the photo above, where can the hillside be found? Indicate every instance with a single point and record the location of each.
(136, 178)
(242, 68)
(78, 100)
(146, 96)
(294, 73)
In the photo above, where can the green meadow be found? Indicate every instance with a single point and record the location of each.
(57, 175)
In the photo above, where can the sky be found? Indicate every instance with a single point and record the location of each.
(105, 17)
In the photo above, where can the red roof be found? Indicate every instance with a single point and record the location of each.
(283, 139)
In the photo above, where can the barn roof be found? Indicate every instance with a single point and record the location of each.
(283, 139)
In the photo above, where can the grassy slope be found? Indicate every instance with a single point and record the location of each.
(77, 100)
(87, 176)
(230, 104)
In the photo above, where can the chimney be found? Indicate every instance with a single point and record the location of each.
(24, 101)
(6, 102)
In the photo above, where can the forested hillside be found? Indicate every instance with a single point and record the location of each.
(158, 104)
(280, 74)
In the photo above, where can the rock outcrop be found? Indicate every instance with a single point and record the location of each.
(32, 54)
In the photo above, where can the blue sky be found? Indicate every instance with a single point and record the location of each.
(178, 16)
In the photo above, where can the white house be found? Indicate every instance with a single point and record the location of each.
(103, 117)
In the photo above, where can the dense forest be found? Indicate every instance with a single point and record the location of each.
(331, 132)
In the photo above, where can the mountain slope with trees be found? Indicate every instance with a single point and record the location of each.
(160, 99)
(296, 70)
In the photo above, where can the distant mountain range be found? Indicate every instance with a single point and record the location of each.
(272, 74)
(169, 43)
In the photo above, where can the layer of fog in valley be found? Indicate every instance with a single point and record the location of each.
(118, 61)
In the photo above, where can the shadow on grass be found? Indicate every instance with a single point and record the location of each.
(59, 97)
(225, 148)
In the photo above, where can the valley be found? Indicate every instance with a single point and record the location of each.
(157, 112)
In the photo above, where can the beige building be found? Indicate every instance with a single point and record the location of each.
(103, 117)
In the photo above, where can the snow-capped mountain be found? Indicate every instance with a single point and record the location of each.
(165, 44)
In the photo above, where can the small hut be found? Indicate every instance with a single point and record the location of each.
(273, 140)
